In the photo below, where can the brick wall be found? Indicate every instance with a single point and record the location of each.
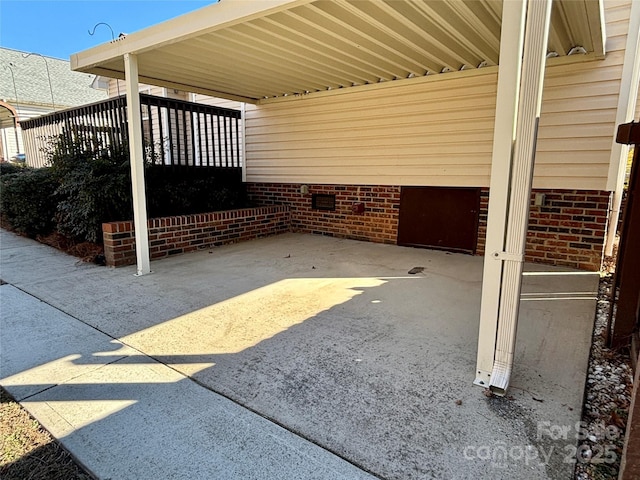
(175, 235)
(568, 229)
(378, 223)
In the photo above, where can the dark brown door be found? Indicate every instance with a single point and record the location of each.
(445, 218)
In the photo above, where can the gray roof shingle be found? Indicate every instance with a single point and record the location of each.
(69, 88)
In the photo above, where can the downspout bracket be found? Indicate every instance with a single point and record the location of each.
(508, 257)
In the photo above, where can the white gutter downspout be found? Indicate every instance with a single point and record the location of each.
(506, 263)
(504, 134)
(627, 99)
(137, 164)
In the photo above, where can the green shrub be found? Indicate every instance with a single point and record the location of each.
(89, 184)
(93, 186)
(28, 201)
(183, 191)
(7, 168)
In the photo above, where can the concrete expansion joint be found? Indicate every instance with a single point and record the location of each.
(60, 310)
(22, 399)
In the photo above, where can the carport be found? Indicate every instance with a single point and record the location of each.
(288, 50)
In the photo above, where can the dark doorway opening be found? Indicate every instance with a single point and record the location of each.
(444, 218)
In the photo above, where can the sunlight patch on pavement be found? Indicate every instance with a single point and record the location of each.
(244, 321)
(66, 416)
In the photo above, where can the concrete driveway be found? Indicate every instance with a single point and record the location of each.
(330, 342)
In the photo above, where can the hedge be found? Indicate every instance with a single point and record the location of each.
(89, 184)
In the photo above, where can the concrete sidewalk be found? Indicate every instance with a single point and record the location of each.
(290, 357)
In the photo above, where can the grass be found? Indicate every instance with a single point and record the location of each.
(28, 451)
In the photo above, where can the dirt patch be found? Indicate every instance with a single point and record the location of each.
(28, 450)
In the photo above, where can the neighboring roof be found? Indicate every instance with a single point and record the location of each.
(250, 50)
(70, 89)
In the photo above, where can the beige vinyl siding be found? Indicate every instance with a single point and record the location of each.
(577, 125)
(411, 135)
(8, 145)
(116, 88)
(440, 132)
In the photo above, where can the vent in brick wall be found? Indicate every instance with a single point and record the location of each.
(321, 201)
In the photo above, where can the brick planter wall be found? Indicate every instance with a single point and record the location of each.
(568, 230)
(175, 235)
(378, 223)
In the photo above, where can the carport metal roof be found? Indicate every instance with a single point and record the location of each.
(252, 51)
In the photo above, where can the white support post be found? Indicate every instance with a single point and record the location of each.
(529, 104)
(627, 98)
(137, 164)
(511, 44)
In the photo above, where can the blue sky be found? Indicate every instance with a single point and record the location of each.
(60, 28)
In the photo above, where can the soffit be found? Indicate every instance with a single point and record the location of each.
(252, 50)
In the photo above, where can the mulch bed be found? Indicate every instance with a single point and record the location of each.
(86, 251)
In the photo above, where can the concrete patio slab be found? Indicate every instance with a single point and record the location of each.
(333, 340)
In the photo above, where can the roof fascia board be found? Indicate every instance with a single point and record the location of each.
(207, 19)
